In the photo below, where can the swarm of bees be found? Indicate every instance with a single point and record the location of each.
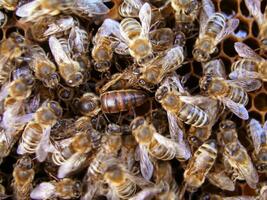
(98, 99)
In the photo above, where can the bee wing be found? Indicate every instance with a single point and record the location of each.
(173, 78)
(265, 127)
(206, 12)
(92, 7)
(247, 84)
(195, 100)
(109, 27)
(72, 164)
(57, 50)
(254, 7)
(27, 9)
(4, 91)
(122, 49)
(147, 193)
(140, 181)
(236, 108)
(256, 132)
(181, 149)
(169, 61)
(242, 73)
(218, 71)
(44, 190)
(59, 26)
(44, 145)
(229, 28)
(146, 165)
(145, 18)
(135, 3)
(245, 51)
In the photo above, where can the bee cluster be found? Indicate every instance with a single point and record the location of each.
(133, 99)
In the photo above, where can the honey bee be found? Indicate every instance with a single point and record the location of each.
(136, 36)
(9, 4)
(200, 165)
(89, 104)
(44, 69)
(218, 197)
(23, 175)
(214, 67)
(153, 144)
(179, 104)
(213, 29)
(157, 70)
(104, 45)
(34, 10)
(254, 7)
(130, 8)
(236, 155)
(10, 49)
(121, 182)
(250, 66)
(259, 138)
(218, 177)
(36, 135)
(69, 69)
(64, 189)
(3, 19)
(162, 39)
(232, 93)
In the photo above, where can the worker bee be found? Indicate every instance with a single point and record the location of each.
(121, 182)
(9, 4)
(254, 7)
(214, 67)
(179, 104)
(44, 69)
(235, 154)
(10, 49)
(69, 69)
(259, 138)
(122, 100)
(64, 189)
(153, 144)
(162, 39)
(23, 175)
(218, 177)
(36, 135)
(104, 45)
(136, 35)
(34, 10)
(130, 8)
(200, 165)
(232, 93)
(162, 65)
(213, 29)
(251, 66)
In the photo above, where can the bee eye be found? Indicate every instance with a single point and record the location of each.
(56, 108)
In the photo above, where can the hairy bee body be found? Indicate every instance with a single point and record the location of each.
(23, 175)
(121, 100)
(9, 4)
(127, 10)
(200, 164)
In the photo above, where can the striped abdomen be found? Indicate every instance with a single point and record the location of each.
(215, 24)
(130, 28)
(122, 100)
(238, 95)
(193, 115)
(247, 64)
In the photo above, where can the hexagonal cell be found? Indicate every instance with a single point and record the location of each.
(255, 29)
(228, 8)
(260, 102)
(248, 106)
(244, 9)
(242, 30)
(255, 115)
(14, 29)
(193, 84)
(197, 68)
(228, 46)
(253, 43)
(263, 6)
(227, 64)
(184, 69)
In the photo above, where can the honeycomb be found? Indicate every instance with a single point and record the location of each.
(247, 32)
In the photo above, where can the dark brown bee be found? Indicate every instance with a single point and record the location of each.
(121, 100)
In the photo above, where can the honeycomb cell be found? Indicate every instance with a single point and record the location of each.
(228, 46)
(243, 29)
(197, 68)
(265, 85)
(14, 29)
(227, 64)
(263, 6)
(253, 43)
(255, 115)
(260, 102)
(193, 84)
(248, 106)
(255, 29)
(1, 34)
(185, 69)
(243, 9)
(228, 8)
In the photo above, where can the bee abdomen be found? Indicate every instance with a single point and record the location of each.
(246, 64)
(127, 10)
(161, 152)
(57, 158)
(122, 100)
(193, 115)
(238, 95)
(215, 24)
(126, 190)
(130, 28)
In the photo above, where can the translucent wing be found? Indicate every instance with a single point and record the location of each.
(122, 49)
(256, 132)
(229, 28)
(173, 79)
(135, 3)
(215, 67)
(245, 51)
(138, 180)
(196, 100)
(147, 193)
(242, 73)
(145, 18)
(4, 91)
(265, 127)
(59, 26)
(92, 7)
(75, 162)
(238, 109)
(146, 165)
(247, 84)
(27, 9)
(208, 7)
(206, 12)
(254, 7)
(44, 190)
(44, 145)
(57, 50)
(109, 27)
(173, 59)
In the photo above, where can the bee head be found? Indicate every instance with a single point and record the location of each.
(89, 104)
(75, 79)
(102, 66)
(113, 129)
(161, 93)
(227, 125)
(205, 82)
(137, 122)
(55, 108)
